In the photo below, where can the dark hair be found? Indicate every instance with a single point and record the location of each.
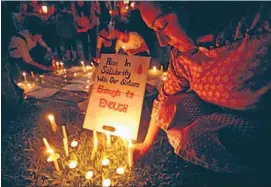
(35, 25)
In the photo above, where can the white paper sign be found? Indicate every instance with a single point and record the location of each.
(116, 100)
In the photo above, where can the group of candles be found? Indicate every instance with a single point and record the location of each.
(26, 83)
(53, 157)
(154, 72)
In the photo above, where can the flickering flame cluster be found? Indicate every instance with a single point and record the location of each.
(53, 157)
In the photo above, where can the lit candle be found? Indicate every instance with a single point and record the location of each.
(83, 66)
(20, 84)
(74, 74)
(62, 65)
(126, 7)
(89, 175)
(53, 158)
(162, 68)
(57, 65)
(73, 164)
(130, 153)
(74, 143)
(105, 162)
(120, 170)
(53, 123)
(32, 75)
(106, 182)
(48, 147)
(24, 75)
(89, 67)
(44, 9)
(108, 139)
(66, 147)
(65, 71)
(154, 72)
(87, 87)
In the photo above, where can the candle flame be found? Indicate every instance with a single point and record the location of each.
(50, 150)
(154, 68)
(51, 117)
(74, 143)
(24, 74)
(120, 170)
(44, 9)
(89, 174)
(73, 164)
(106, 182)
(82, 62)
(110, 12)
(95, 142)
(57, 63)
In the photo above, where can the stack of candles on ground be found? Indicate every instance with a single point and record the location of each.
(93, 155)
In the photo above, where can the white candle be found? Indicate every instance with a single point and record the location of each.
(106, 182)
(66, 147)
(74, 74)
(65, 71)
(108, 139)
(24, 75)
(57, 65)
(32, 75)
(53, 123)
(130, 153)
(64, 131)
(83, 66)
(53, 158)
(48, 147)
(62, 65)
(162, 68)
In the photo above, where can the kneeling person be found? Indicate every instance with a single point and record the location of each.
(24, 52)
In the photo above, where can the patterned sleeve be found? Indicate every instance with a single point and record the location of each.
(174, 85)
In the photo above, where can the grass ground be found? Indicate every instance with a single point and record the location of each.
(24, 157)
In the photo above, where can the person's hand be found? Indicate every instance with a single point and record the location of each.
(139, 151)
(97, 60)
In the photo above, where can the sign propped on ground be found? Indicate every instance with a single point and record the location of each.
(116, 100)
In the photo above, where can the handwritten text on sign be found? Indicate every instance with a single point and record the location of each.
(117, 95)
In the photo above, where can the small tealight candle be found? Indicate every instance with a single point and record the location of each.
(20, 84)
(73, 164)
(106, 182)
(75, 74)
(88, 81)
(105, 162)
(53, 123)
(89, 175)
(74, 143)
(24, 75)
(28, 85)
(120, 170)
(87, 87)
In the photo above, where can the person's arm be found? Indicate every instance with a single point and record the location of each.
(174, 85)
(28, 59)
(143, 47)
(140, 42)
(73, 10)
(49, 50)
